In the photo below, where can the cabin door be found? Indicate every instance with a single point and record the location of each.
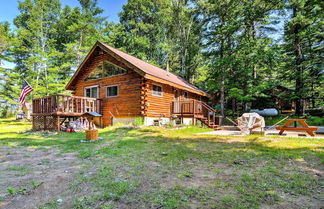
(176, 101)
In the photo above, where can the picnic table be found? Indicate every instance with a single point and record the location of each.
(310, 130)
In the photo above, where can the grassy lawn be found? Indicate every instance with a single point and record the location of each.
(158, 168)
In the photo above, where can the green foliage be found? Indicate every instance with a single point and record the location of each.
(169, 124)
(138, 121)
(311, 120)
(303, 52)
(49, 44)
(11, 190)
(237, 54)
(4, 112)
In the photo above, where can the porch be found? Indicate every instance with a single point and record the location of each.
(197, 110)
(50, 112)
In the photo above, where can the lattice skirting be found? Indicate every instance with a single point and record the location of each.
(45, 123)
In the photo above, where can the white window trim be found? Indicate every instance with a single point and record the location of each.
(107, 91)
(156, 95)
(89, 87)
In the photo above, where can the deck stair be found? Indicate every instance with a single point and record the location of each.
(197, 110)
(208, 117)
(230, 128)
(210, 124)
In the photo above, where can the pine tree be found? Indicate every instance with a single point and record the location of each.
(8, 86)
(35, 51)
(303, 45)
(85, 27)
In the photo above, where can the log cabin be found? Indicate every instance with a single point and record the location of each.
(122, 88)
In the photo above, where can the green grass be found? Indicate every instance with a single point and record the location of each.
(158, 168)
(17, 133)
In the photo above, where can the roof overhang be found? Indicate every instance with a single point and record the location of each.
(132, 66)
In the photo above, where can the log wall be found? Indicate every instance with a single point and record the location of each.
(157, 105)
(134, 98)
(127, 103)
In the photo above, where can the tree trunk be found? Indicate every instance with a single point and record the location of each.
(222, 97)
(222, 88)
(299, 84)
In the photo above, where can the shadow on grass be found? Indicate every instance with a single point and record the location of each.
(155, 137)
(263, 169)
(212, 146)
(260, 172)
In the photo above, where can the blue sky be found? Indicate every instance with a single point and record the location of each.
(9, 10)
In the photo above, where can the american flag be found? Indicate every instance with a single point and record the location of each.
(25, 90)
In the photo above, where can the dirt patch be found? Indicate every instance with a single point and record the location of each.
(294, 202)
(30, 178)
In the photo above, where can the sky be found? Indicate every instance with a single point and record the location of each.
(9, 10)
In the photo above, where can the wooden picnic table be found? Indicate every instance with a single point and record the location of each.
(310, 130)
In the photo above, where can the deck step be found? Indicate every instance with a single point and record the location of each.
(230, 128)
(210, 124)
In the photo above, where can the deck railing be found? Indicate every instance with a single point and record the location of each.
(187, 107)
(195, 109)
(64, 104)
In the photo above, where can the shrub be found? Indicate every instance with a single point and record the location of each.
(5, 112)
(169, 124)
(138, 121)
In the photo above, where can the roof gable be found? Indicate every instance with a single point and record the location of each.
(143, 68)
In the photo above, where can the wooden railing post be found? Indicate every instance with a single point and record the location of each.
(194, 107)
(65, 104)
(72, 104)
(208, 112)
(57, 103)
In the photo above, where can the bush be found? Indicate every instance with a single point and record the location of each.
(5, 112)
(139, 121)
(169, 124)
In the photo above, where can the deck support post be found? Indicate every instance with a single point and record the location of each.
(58, 123)
(45, 123)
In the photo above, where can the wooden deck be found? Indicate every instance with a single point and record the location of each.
(64, 105)
(50, 112)
(197, 110)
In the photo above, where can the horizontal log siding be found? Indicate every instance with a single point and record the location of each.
(158, 105)
(135, 97)
(162, 105)
(127, 103)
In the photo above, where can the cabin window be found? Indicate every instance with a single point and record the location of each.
(110, 69)
(157, 90)
(112, 91)
(92, 91)
(96, 73)
(185, 95)
(105, 69)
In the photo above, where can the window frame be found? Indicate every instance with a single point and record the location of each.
(184, 97)
(102, 71)
(90, 87)
(157, 95)
(103, 62)
(107, 91)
